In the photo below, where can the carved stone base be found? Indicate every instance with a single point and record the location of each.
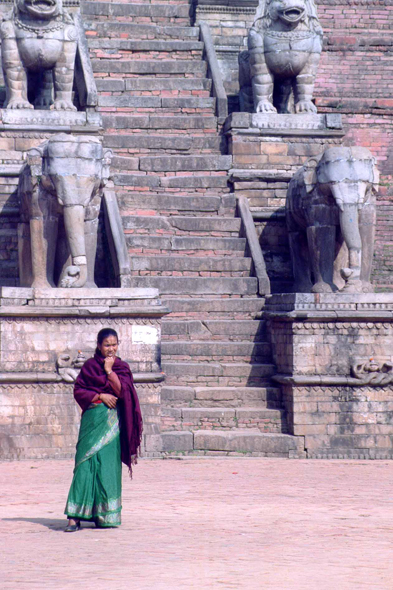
(44, 334)
(334, 356)
(49, 121)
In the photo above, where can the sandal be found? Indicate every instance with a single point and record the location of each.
(72, 528)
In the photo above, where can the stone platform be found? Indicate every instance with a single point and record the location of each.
(334, 358)
(45, 335)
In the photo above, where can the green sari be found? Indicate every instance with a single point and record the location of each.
(95, 493)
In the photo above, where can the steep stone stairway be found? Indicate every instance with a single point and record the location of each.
(170, 175)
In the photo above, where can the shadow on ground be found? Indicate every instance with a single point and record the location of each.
(54, 524)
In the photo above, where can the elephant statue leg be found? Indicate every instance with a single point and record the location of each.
(351, 234)
(300, 265)
(43, 235)
(91, 231)
(367, 222)
(321, 243)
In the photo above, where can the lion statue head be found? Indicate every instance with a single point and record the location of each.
(40, 9)
(291, 12)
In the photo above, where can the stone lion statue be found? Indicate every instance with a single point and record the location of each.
(284, 47)
(38, 46)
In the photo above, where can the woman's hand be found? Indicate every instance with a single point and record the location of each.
(108, 364)
(109, 400)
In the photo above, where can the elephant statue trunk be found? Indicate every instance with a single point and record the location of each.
(75, 275)
(330, 213)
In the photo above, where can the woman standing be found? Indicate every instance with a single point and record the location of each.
(110, 433)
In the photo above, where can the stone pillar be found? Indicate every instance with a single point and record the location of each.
(44, 334)
(334, 357)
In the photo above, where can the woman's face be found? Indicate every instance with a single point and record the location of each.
(108, 346)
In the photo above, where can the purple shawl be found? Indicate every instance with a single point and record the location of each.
(92, 379)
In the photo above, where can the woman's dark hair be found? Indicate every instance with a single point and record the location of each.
(104, 333)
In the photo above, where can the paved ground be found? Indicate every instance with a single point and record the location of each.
(205, 524)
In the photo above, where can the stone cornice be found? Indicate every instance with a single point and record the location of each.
(321, 380)
(56, 378)
(91, 311)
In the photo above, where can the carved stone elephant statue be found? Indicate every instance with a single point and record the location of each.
(60, 189)
(330, 214)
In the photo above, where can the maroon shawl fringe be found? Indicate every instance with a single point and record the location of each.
(91, 380)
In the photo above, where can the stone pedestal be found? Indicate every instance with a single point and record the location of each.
(42, 332)
(334, 357)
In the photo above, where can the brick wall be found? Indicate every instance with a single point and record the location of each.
(355, 78)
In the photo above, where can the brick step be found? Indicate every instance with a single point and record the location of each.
(182, 163)
(225, 246)
(229, 442)
(144, 67)
(236, 266)
(115, 29)
(216, 350)
(144, 84)
(217, 397)
(172, 204)
(190, 182)
(215, 329)
(140, 143)
(167, 46)
(209, 308)
(156, 12)
(208, 418)
(179, 225)
(163, 104)
(221, 374)
(200, 285)
(154, 122)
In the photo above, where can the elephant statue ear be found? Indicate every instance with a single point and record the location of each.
(106, 162)
(375, 177)
(310, 174)
(34, 159)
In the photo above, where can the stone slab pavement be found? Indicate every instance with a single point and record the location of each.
(205, 524)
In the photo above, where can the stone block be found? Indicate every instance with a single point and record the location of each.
(135, 102)
(145, 67)
(182, 122)
(177, 441)
(194, 182)
(183, 163)
(245, 441)
(160, 84)
(213, 414)
(186, 102)
(177, 394)
(198, 285)
(192, 369)
(121, 163)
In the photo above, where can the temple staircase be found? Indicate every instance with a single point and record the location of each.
(179, 216)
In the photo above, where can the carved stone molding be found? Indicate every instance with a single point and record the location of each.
(315, 381)
(225, 9)
(30, 379)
